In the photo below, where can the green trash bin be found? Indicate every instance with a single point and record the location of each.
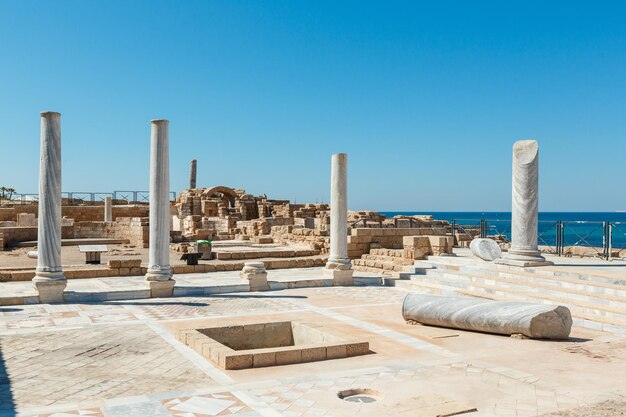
(204, 247)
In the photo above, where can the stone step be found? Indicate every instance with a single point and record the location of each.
(581, 318)
(576, 289)
(387, 273)
(594, 309)
(396, 253)
(583, 283)
(377, 256)
(383, 266)
(257, 254)
(467, 264)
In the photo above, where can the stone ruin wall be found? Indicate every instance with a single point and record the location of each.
(219, 213)
(18, 223)
(78, 213)
(134, 229)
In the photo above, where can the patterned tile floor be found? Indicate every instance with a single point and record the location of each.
(118, 359)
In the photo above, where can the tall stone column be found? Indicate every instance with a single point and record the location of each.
(339, 267)
(108, 209)
(159, 275)
(192, 174)
(49, 280)
(524, 251)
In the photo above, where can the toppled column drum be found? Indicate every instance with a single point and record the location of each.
(537, 321)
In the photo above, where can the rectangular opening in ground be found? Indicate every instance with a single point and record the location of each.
(268, 344)
(268, 335)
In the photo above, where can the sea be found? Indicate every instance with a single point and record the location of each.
(579, 228)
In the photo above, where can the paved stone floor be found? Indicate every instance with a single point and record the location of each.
(121, 358)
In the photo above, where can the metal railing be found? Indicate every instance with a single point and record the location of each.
(401, 222)
(75, 198)
(559, 237)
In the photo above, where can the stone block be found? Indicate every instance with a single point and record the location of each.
(114, 263)
(159, 289)
(313, 354)
(339, 277)
(261, 359)
(233, 361)
(357, 348)
(336, 351)
(289, 356)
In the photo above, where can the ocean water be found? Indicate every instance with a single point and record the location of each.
(581, 229)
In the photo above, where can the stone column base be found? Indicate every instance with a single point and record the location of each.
(50, 290)
(524, 260)
(256, 275)
(159, 289)
(339, 276)
(258, 282)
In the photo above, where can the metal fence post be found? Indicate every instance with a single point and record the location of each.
(605, 246)
(610, 241)
(559, 238)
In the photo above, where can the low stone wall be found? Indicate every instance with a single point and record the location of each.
(263, 226)
(264, 254)
(419, 247)
(78, 213)
(135, 229)
(361, 240)
(315, 239)
(132, 267)
(13, 235)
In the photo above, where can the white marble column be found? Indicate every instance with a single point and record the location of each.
(159, 275)
(49, 280)
(192, 174)
(524, 210)
(339, 267)
(108, 209)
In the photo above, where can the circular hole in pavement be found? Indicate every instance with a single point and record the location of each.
(360, 395)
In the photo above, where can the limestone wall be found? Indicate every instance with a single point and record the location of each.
(78, 213)
(361, 240)
(13, 235)
(134, 229)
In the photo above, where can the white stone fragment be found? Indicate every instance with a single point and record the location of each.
(485, 249)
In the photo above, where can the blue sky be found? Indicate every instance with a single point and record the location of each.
(427, 98)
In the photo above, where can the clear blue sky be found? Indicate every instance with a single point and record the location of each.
(427, 98)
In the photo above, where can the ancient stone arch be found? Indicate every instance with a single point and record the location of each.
(220, 191)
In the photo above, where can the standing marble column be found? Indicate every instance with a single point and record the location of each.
(339, 267)
(159, 275)
(524, 211)
(49, 280)
(192, 174)
(108, 209)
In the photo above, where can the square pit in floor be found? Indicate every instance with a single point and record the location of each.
(269, 344)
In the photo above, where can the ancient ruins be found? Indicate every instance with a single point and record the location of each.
(212, 301)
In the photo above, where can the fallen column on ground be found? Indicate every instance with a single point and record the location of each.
(537, 321)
